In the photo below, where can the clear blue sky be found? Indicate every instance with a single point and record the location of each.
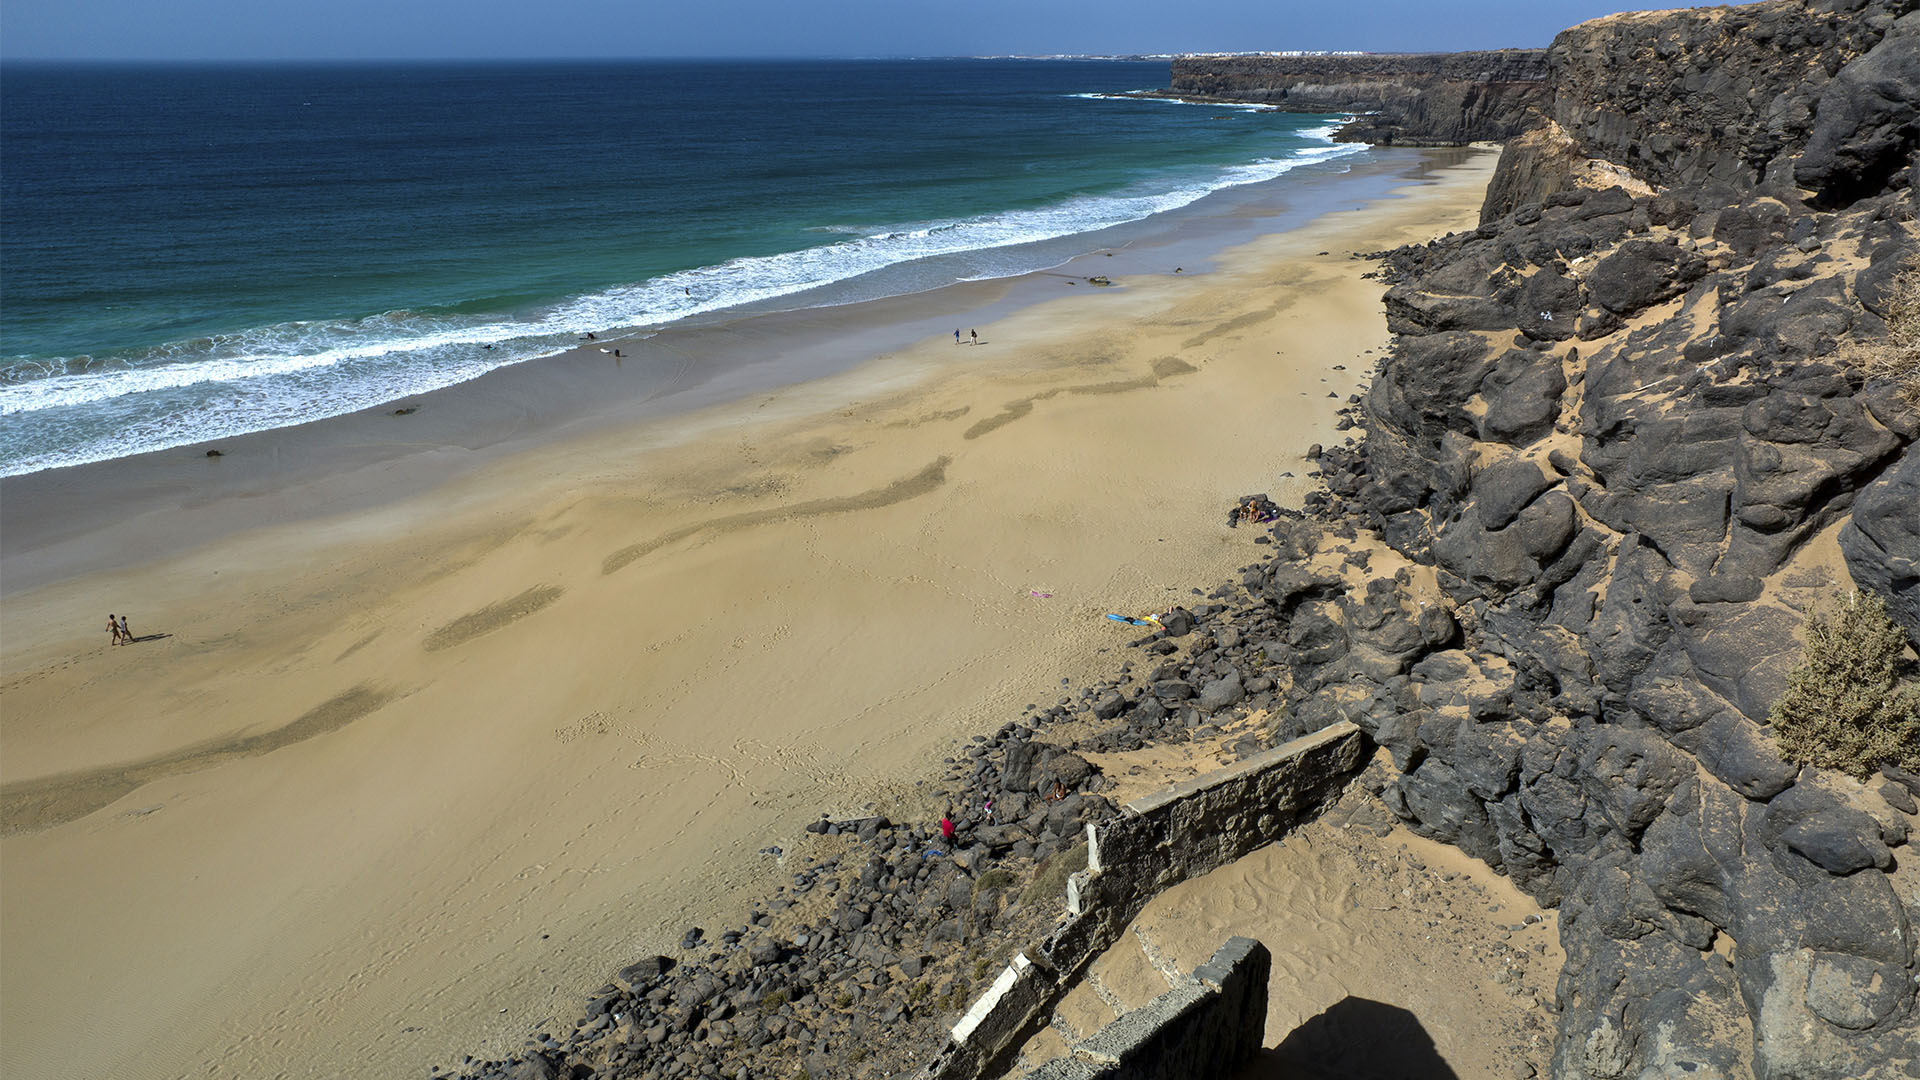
(504, 29)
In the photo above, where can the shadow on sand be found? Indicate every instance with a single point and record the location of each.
(1355, 1039)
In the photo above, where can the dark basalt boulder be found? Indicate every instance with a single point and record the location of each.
(1436, 802)
(1416, 311)
(1547, 306)
(1752, 225)
(1293, 583)
(642, 973)
(1178, 622)
(1424, 384)
(1873, 286)
(1384, 637)
(1487, 758)
(1505, 489)
(1316, 634)
(1740, 651)
(1881, 541)
(1731, 747)
(1641, 274)
(1523, 394)
(1683, 855)
(1867, 123)
(1731, 587)
(1546, 529)
(1853, 992)
(1219, 693)
(1674, 207)
(1613, 200)
(1630, 774)
(1809, 323)
(1484, 562)
(1802, 459)
(1034, 767)
(1835, 840)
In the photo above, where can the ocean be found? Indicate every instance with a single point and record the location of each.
(190, 253)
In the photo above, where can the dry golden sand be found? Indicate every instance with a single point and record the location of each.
(407, 782)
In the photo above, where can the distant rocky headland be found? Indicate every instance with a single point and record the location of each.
(1653, 413)
(1412, 99)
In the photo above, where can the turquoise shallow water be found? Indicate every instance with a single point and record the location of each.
(192, 253)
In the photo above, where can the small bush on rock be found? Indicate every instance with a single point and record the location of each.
(1050, 877)
(1897, 356)
(1847, 706)
(993, 879)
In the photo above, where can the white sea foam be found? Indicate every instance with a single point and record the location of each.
(1143, 95)
(295, 372)
(1327, 133)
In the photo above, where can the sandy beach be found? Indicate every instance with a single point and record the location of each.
(411, 758)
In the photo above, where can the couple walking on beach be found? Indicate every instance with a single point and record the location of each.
(121, 635)
(975, 334)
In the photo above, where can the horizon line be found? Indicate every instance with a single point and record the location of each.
(345, 61)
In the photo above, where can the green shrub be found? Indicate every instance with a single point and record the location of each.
(1050, 877)
(1896, 356)
(1847, 706)
(993, 879)
(956, 999)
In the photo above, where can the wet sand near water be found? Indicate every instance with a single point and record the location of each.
(414, 769)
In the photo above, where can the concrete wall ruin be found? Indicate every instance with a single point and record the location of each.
(1214, 1020)
(1157, 841)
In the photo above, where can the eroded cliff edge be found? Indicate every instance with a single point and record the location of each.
(1618, 427)
(1414, 99)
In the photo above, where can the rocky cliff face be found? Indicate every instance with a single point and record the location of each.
(1779, 96)
(1616, 432)
(1413, 99)
(1710, 95)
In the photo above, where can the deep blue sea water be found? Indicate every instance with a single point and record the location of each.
(190, 253)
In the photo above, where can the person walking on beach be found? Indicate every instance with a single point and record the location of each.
(956, 337)
(975, 334)
(126, 635)
(113, 628)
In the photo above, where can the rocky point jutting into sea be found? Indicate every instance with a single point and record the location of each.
(1622, 431)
